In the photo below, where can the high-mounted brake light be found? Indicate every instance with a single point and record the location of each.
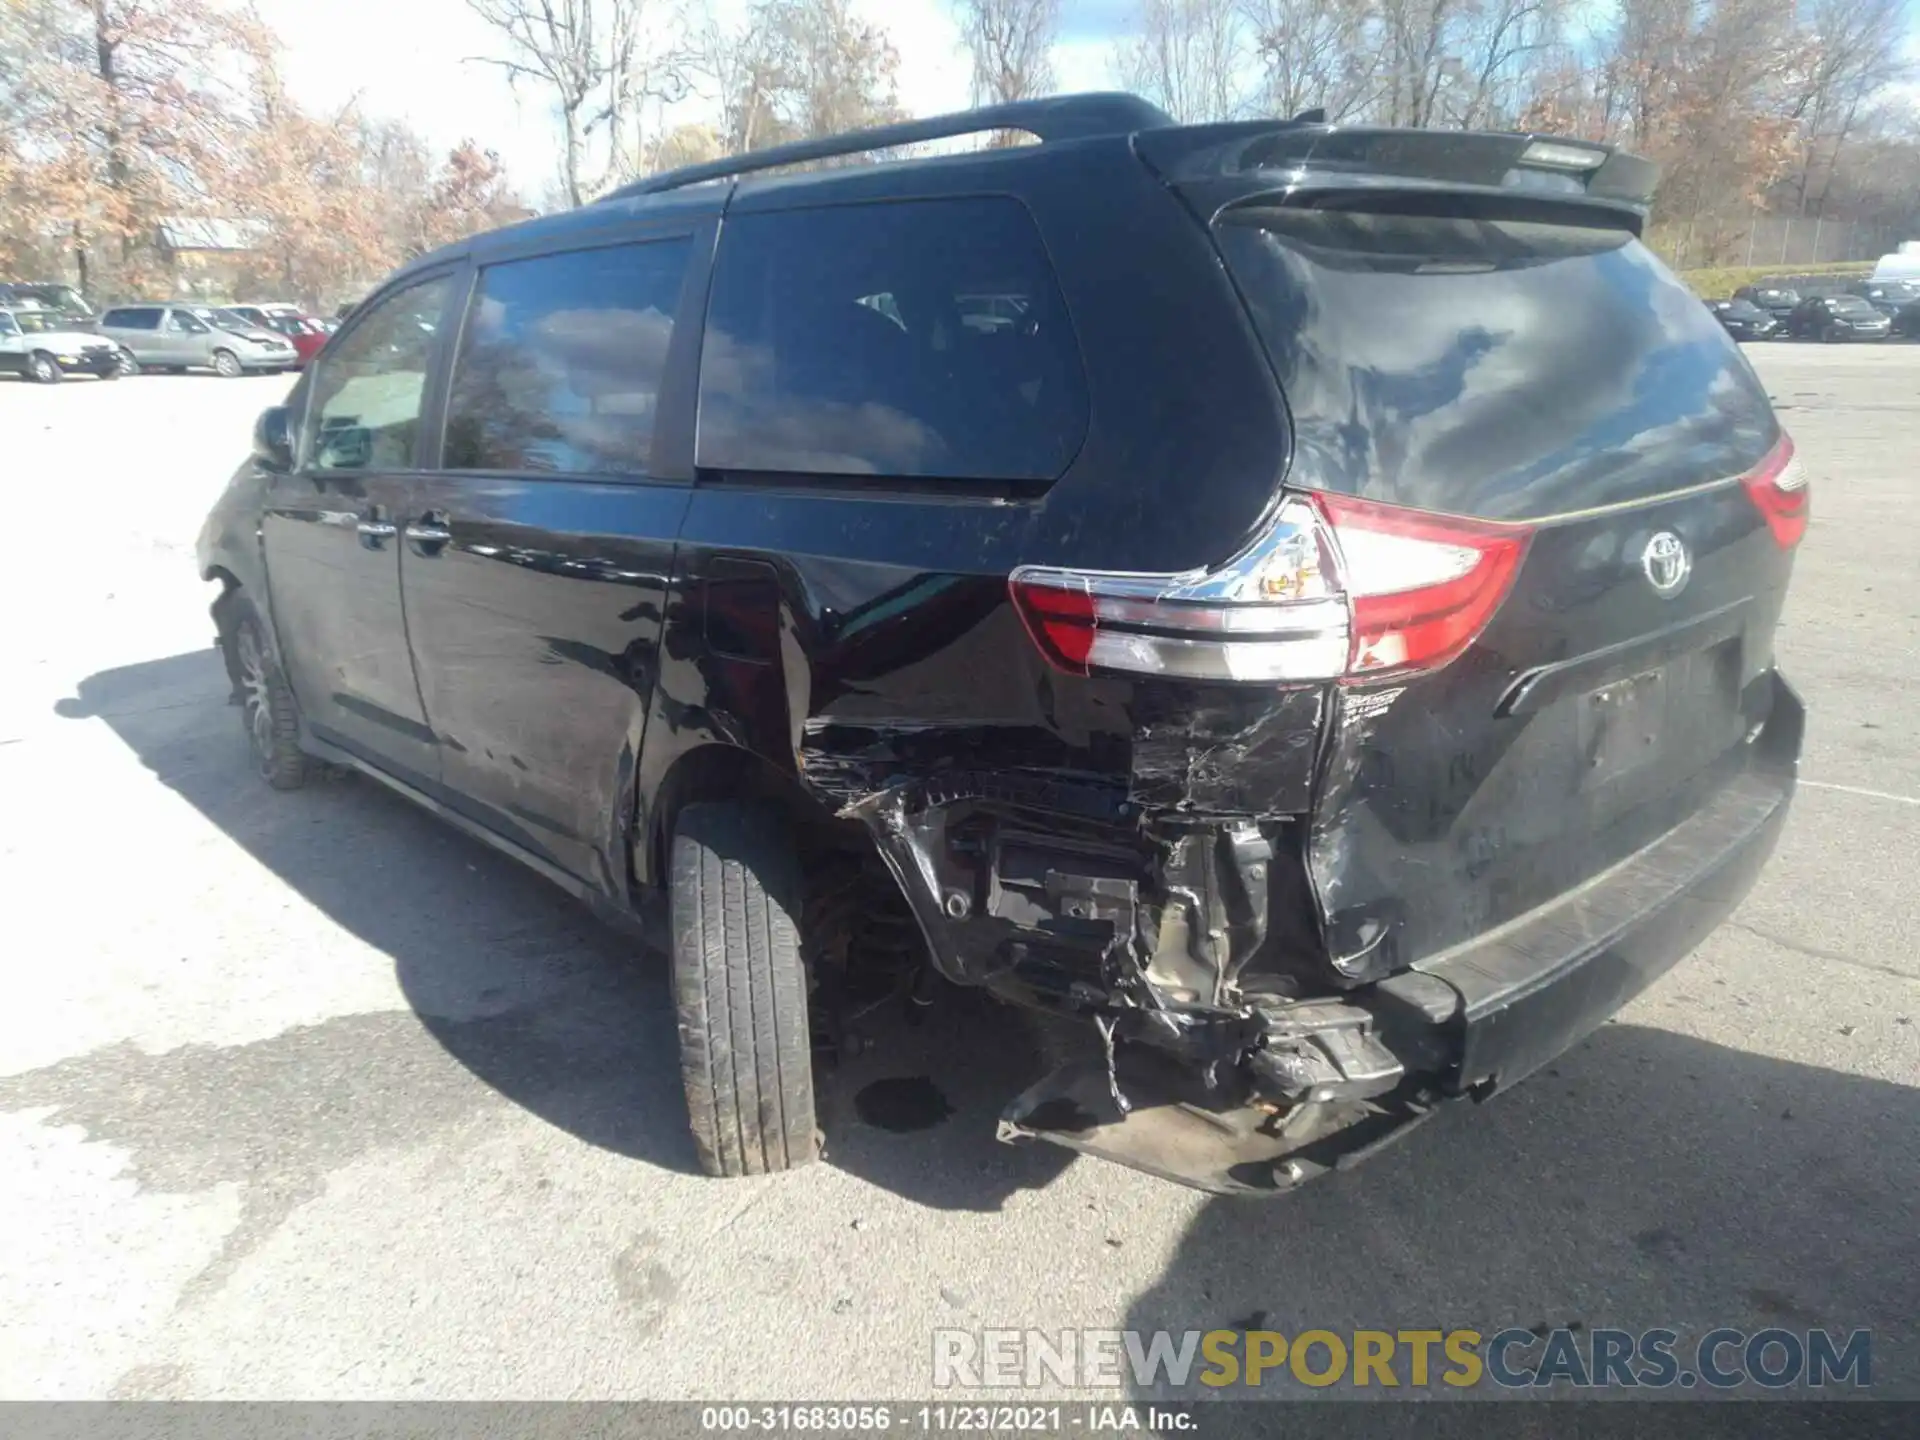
(1778, 487)
(1331, 589)
(1562, 156)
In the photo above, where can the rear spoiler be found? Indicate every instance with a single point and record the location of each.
(1227, 161)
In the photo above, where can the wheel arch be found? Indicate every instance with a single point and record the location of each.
(714, 770)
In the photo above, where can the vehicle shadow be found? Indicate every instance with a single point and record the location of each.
(1646, 1179)
(553, 1009)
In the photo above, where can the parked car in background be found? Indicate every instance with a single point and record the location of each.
(306, 333)
(1889, 297)
(42, 345)
(178, 337)
(240, 320)
(1744, 320)
(1907, 322)
(866, 566)
(1902, 264)
(1776, 302)
(262, 312)
(1837, 319)
(72, 307)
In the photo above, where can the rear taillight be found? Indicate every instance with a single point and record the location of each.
(1422, 586)
(1332, 589)
(1778, 486)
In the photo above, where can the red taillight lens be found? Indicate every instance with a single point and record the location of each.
(1422, 586)
(1778, 487)
(1332, 589)
(1060, 620)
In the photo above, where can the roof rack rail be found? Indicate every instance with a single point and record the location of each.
(1061, 117)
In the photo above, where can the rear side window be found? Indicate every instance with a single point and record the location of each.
(560, 363)
(922, 338)
(132, 319)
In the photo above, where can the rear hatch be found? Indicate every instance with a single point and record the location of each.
(1553, 492)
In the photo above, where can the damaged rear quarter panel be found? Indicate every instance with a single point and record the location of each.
(1036, 820)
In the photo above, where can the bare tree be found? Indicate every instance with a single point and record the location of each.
(598, 60)
(796, 69)
(1498, 42)
(1185, 57)
(1314, 53)
(1011, 42)
(1851, 57)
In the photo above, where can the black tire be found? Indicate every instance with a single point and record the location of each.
(227, 364)
(125, 364)
(266, 702)
(740, 989)
(43, 369)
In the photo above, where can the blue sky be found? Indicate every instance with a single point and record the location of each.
(410, 60)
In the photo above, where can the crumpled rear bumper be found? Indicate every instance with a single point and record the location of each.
(1361, 1071)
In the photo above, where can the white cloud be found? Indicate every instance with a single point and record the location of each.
(409, 60)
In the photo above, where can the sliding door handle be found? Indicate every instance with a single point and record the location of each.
(429, 534)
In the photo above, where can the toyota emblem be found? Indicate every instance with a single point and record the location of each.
(1667, 563)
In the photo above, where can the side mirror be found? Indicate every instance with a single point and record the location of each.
(273, 439)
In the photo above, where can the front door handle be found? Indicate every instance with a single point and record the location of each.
(429, 533)
(376, 533)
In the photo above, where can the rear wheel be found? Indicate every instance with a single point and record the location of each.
(266, 703)
(740, 988)
(125, 364)
(226, 363)
(44, 368)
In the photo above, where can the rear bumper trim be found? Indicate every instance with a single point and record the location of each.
(1525, 993)
(1540, 984)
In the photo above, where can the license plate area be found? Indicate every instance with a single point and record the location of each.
(1622, 726)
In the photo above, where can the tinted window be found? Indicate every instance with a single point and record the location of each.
(133, 319)
(926, 338)
(1847, 305)
(1493, 367)
(365, 407)
(7, 327)
(186, 322)
(559, 368)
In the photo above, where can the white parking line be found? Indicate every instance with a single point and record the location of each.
(1856, 790)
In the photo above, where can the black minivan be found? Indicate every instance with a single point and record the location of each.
(1297, 599)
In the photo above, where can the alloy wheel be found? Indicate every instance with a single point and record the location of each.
(256, 696)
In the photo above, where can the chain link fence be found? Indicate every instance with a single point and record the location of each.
(1777, 241)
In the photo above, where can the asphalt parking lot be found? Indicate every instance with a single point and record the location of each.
(308, 1096)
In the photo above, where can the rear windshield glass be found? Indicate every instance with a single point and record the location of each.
(1502, 368)
(915, 339)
